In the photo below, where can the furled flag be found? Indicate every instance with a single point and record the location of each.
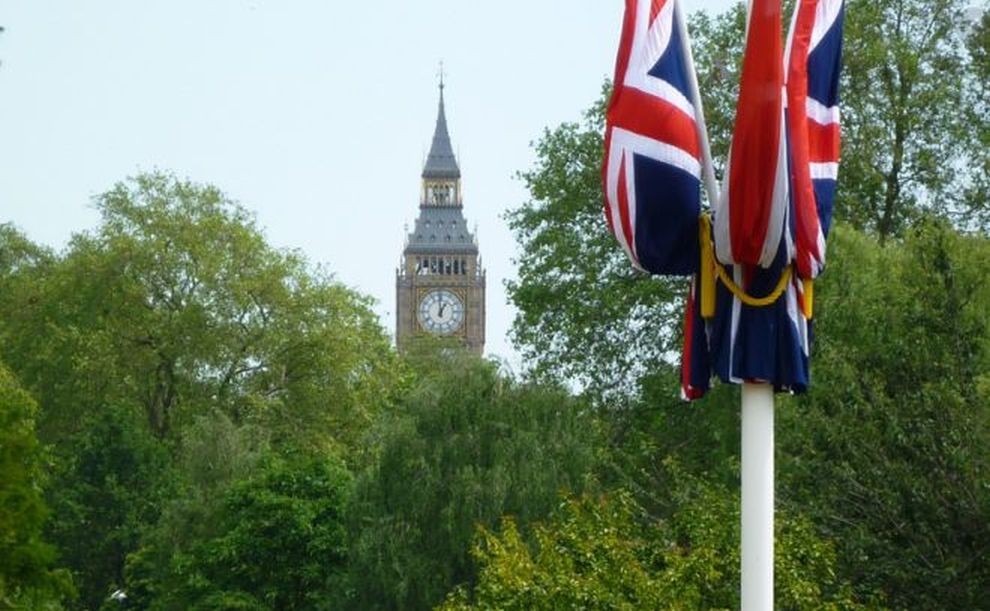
(759, 328)
(750, 218)
(652, 169)
(749, 306)
(813, 64)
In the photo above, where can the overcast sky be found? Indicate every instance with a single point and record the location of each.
(314, 115)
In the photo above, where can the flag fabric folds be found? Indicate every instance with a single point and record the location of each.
(651, 175)
(813, 63)
(748, 315)
(753, 206)
(771, 342)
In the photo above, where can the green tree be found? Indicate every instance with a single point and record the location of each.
(176, 304)
(583, 313)
(18, 253)
(279, 542)
(108, 483)
(466, 446)
(977, 104)
(27, 578)
(888, 452)
(173, 308)
(608, 554)
(903, 130)
(215, 454)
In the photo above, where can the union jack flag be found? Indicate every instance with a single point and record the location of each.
(775, 208)
(749, 222)
(814, 54)
(799, 168)
(651, 175)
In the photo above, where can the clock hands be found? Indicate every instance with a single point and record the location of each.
(441, 312)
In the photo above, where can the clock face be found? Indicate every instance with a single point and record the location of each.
(441, 312)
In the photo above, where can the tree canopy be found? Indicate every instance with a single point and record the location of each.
(466, 446)
(27, 577)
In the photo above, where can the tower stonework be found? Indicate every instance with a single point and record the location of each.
(440, 283)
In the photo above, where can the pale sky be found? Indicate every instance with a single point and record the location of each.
(314, 115)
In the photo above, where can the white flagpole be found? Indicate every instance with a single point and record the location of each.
(711, 183)
(757, 413)
(757, 497)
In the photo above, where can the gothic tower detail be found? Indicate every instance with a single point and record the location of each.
(440, 284)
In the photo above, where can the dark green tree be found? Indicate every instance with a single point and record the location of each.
(466, 446)
(215, 454)
(27, 577)
(888, 453)
(278, 542)
(107, 485)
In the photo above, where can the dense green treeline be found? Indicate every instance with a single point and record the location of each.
(174, 355)
(193, 419)
(220, 425)
(451, 481)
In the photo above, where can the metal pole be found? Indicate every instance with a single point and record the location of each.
(757, 497)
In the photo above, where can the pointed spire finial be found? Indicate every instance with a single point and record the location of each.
(441, 162)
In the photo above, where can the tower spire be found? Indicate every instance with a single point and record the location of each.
(441, 162)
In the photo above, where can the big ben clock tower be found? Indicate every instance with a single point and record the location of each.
(440, 284)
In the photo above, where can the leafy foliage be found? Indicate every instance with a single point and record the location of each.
(604, 339)
(903, 87)
(175, 307)
(887, 454)
(107, 485)
(606, 553)
(215, 455)
(977, 113)
(466, 446)
(279, 542)
(26, 574)
(177, 303)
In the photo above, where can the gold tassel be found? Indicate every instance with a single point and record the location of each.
(809, 297)
(707, 271)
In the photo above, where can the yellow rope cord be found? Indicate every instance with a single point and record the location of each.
(749, 300)
(708, 261)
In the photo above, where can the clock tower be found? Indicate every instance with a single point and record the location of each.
(440, 284)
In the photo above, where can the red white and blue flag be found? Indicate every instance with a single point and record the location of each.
(775, 209)
(651, 175)
(813, 64)
(799, 166)
(750, 216)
